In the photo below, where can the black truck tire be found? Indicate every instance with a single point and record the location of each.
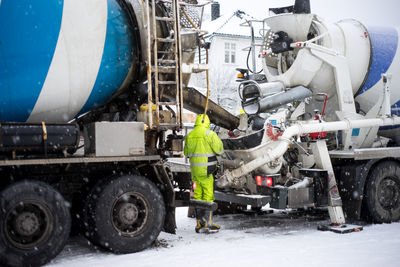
(124, 214)
(35, 224)
(383, 192)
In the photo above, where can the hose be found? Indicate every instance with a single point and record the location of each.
(247, 63)
(275, 150)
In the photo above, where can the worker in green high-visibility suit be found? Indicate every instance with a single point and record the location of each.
(202, 146)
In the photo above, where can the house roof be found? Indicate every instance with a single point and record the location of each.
(229, 25)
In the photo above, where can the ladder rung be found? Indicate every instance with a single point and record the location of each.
(165, 19)
(164, 69)
(166, 82)
(167, 103)
(166, 52)
(166, 40)
(166, 61)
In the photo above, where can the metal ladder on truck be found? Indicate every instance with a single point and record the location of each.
(167, 61)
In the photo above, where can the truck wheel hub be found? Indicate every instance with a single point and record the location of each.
(128, 213)
(27, 223)
(388, 193)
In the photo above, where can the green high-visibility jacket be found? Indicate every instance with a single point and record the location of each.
(202, 146)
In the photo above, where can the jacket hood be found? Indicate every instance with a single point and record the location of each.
(206, 122)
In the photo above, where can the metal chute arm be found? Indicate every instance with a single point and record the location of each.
(275, 150)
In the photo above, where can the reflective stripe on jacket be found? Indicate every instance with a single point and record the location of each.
(201, 146)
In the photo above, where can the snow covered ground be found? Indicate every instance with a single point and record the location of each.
(278, 239)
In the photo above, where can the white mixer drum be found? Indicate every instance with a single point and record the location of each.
(369, 51)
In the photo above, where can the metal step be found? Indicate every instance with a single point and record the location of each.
(166, 40)
(167, 82)
(165, 18)
(167, 103)
(255, 201)
(164, 69)
(167, 61)
(165, 52)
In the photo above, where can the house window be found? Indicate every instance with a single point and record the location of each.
(230, 53)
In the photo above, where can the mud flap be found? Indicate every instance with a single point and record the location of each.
(169, 198)
(170, 222)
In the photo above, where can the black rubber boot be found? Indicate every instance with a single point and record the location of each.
(200, 222)
(212, 227)
(204, 222)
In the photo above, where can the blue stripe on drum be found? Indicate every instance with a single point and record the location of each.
(385, 128)
(29, 32)
(116, 60)
(384, 42)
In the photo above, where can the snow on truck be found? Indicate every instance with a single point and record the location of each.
(90, 89)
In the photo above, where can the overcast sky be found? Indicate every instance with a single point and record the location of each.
(371, 12)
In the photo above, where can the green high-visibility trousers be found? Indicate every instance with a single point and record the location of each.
(203, 188)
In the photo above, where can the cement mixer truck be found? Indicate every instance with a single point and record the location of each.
(91, 100)
(323, 119)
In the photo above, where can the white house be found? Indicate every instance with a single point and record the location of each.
(229, 50)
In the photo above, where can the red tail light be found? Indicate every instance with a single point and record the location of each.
(194, 186)
(258, 180)
(266, 180)
(270, 181)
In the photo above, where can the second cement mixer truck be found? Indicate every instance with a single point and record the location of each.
(324, 125)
